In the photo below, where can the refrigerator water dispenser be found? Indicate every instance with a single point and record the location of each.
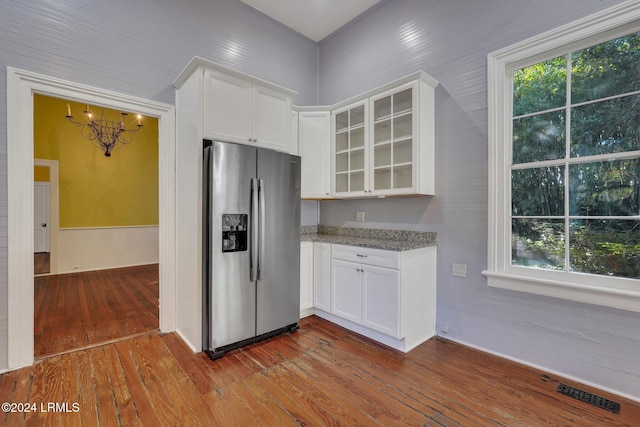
(234, 232)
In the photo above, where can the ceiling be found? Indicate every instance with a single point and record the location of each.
(315, 19)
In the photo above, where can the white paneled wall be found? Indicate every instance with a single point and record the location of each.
(86, 249)
(450, 40)
(138, 48)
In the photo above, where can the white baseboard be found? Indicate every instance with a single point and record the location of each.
(187, 342)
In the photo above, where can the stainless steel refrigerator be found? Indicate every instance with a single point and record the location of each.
(251, 245)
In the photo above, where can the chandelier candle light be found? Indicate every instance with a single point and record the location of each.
(108, 135)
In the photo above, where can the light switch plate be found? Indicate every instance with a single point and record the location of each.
(360, 216)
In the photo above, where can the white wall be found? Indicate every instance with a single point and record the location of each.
(138, 48)
(86, 249)
(450, 40)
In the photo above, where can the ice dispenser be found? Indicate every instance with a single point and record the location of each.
(234, 232)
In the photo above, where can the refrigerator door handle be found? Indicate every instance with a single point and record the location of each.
(262, 226)
(253, 255)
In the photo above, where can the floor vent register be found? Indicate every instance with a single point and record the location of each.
(591, 399)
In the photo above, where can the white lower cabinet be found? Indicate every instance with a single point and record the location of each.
(346, 290)
(381, 300)
(385, 295)
(322, 276)
(306, 278)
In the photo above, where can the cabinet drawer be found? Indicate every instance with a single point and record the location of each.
(369, 256)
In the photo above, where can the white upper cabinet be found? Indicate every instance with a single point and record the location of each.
(384, 143)
(237, 110)
(231, 106)
(272, 119)
(227, 108)
(314, 139)
(350, 150)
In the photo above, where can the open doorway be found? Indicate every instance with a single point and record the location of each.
(98, 282)
(21, 88)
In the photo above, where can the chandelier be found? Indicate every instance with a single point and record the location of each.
(108, 135)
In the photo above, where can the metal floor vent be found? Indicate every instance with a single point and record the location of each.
(591, 399)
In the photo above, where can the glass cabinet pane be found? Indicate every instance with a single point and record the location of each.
(382, 155)
(402, 176)
(357, 138)
(357, 160)
(382, 131)
(402, 101)
(342, 141)
(357, 181)
(342, 121)
(382, 179)
(357, 116)
(402, 126)
(342, 162)
(402, 152)
(342, 182)
(382, 108)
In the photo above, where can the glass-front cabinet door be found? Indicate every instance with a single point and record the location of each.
(350, 150)
(384, 144)
(393, 141)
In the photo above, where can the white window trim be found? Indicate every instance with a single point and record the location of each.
(622, 293)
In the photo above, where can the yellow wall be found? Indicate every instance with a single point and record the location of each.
(41, 174)
(98, 191)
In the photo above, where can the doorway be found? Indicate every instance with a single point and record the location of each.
(45, 172)
(103, 285)
(21, 87)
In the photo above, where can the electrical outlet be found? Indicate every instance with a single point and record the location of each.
(76, 267)
(459, 270)
(360, 216)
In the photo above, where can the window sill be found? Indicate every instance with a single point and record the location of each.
(589, 294)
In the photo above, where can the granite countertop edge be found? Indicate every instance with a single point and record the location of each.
(392, 240)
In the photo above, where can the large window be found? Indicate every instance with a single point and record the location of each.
(564, 137)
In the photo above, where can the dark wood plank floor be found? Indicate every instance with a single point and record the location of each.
(80, 309)
(319, 376)
(41, 262)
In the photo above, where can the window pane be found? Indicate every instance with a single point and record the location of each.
(607, 69)
(605, 188)
(608, 247)
(540, 87)
(538, 191)
(539, 137)
(537, 243)
(606, 127)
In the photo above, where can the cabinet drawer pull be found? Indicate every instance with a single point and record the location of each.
(361, 255)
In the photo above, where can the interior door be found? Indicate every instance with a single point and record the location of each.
(278, 301)
(41, 217)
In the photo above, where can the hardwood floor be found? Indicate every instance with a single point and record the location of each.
(321, 375)
(80, 309)
(41, 262)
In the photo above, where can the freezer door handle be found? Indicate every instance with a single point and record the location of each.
(253, 255)
(261, 198)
